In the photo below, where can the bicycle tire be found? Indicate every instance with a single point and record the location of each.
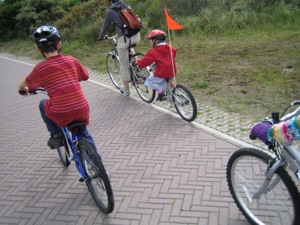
(139, 75)
(280, 205)
(113, 69)
(98, 181)
(184, 103)
(64, 152)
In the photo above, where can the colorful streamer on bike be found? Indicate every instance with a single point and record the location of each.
(285, 131)
(282, 132)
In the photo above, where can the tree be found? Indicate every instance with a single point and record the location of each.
(35, 13)
(8, 11)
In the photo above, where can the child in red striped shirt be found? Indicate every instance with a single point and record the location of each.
(59, 75)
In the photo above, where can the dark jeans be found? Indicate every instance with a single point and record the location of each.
(55, 131)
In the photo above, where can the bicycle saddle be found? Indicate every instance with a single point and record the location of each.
(75, 125)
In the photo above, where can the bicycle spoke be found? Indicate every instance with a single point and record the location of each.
(97, 181)
(138, 78)
(113, 69)
(185, 103)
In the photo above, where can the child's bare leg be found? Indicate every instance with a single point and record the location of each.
(172, 83)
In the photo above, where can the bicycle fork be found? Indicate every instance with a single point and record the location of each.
(267, 186)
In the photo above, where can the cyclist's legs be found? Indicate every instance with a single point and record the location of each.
(123, 43)
(172, 82)
(53, 129)
(85, 133)
(156, 83)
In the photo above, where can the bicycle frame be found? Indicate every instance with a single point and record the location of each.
(289, 156)
(114, 50)
(72, 139)
(292, 157)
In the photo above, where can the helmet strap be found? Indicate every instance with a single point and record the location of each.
(43, 54)
(154, 42)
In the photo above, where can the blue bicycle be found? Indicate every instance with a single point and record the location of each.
(88, 163)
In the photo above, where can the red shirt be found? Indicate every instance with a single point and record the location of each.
(60, 76)
(164, 58)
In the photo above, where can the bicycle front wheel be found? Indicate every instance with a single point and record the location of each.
(138, 78)
(185, 103)
(113, 69)
(64, 152)
(98, 182)
(278, 205)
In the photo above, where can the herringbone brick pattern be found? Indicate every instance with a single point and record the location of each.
(163, 170)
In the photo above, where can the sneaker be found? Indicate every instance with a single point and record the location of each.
(54, 143)
(161, 96)
(124, 91)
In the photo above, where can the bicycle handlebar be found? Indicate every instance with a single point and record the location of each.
(292, 114)
(260, 130)
(113, 38)
(36, 91)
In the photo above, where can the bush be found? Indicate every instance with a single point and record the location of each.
(83, 21)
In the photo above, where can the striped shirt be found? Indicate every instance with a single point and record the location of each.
(59, 76)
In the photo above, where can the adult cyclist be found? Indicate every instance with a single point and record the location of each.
(112, 17)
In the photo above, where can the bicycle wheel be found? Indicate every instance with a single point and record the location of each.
(98, 182)
(138, 79)
(64, 152)
(185, 103)
(113, 69)
(246, 170)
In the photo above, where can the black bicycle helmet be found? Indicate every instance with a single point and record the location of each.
(46, 35)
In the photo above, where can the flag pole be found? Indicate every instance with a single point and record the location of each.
(171, 24)
(173, 64)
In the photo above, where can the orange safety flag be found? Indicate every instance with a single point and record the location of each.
(172, 23)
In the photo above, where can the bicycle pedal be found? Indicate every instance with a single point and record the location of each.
(81, 179)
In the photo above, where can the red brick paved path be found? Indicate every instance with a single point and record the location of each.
(163, 170)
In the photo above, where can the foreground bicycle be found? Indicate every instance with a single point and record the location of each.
(180, 97)
(138, 76)
(261, 182)
(88, 163)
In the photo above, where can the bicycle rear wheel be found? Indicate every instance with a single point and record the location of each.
(64, 152)
(185, 103)
(113, 69)
(138, 78)
(98, 182)
(246, 170)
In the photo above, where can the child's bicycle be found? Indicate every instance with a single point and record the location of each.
(261, 183)
(182, 99)
(138, 76)
(180, 96)
(88, 163)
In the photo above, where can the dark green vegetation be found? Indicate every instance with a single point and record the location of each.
(240, 55)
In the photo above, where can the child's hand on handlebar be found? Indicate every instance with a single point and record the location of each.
(134, 64)
(24, 91)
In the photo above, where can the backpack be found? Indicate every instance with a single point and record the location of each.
(131, 22)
